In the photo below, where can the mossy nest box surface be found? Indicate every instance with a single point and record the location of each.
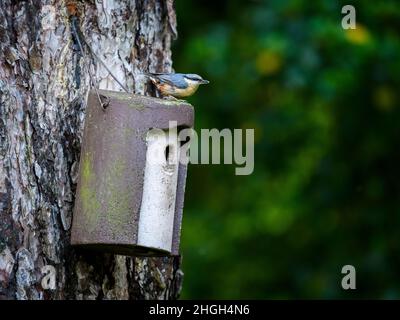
(124, 204)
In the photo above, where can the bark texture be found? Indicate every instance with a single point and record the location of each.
(44, 80)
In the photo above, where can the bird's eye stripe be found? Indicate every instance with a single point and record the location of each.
(194, 78)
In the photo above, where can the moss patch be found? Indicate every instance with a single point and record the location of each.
(117, 199)
(134, 99)
(90, 202)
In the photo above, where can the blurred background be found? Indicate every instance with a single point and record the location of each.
(325, 192)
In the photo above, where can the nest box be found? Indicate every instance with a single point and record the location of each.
(131, 184)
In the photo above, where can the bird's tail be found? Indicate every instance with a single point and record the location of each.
(152, 76)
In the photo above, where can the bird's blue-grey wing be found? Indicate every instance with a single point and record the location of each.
(174, 79)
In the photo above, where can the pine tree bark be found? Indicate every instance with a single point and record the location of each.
(44, 79)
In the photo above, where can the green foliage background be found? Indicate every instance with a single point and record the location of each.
(325, 192)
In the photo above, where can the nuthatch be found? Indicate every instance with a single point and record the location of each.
(177, 85)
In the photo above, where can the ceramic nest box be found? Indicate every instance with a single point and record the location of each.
(130, 191)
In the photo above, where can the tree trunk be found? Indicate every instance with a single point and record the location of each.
(44, 80)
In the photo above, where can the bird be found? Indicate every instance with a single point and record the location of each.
(176, 85)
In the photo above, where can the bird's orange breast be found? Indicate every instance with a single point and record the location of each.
(169, 90)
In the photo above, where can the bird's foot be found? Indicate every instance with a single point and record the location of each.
(172, 98)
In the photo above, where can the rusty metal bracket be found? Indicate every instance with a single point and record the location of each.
(105, 101)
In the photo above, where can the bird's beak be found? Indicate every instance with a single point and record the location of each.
(204, 82)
